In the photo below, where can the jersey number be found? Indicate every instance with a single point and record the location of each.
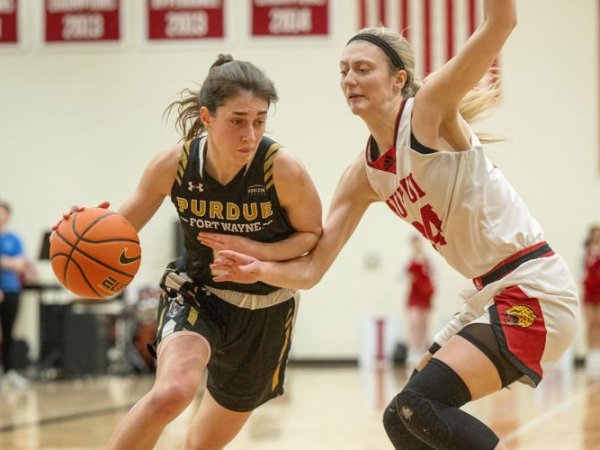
(431, 228)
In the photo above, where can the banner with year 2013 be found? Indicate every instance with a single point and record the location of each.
(290, 17)
(8, 22)
(82, 20)
(174, 20)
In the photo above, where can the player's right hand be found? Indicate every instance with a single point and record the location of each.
(73, 209)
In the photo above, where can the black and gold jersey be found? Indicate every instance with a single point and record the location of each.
(247, 206)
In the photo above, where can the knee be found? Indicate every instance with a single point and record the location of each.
(169, 400)
(409, 405)
(391, 418)
(420, 416)
(396, 431)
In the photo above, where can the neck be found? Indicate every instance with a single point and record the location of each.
(216, 165)
(220, 170)
(382, 125)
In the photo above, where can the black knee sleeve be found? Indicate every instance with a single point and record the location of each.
(401, 438)
(428, 406)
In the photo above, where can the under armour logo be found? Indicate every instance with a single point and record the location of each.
(199, 187)
(388, 161)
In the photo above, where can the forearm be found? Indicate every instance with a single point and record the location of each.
(298, 244)
(306, 271)
(13, 263)
(298, 273)
(348, 206)
(500, 14)
(138, 210)
(351, 200)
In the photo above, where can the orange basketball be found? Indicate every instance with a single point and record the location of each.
(95, 253)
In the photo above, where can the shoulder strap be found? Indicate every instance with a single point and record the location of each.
(268, 164)
(184, 159)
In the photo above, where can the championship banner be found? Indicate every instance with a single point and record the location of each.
(290, 17)
(436, 29)
(8, 21)
(82, 20)
(172, 20)
(598, 78)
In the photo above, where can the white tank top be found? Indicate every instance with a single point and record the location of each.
(459, 201)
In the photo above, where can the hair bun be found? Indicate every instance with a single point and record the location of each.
(222, 59)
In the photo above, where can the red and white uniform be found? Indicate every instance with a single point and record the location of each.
(591, 281)
(473, 217)
(421, 284)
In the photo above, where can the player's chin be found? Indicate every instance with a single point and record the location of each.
(356, 108)
(246, 155)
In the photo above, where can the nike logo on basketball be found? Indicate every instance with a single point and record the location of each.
(124, 259)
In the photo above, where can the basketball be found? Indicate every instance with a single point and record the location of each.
(95, 253)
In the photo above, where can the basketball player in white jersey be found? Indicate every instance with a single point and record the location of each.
(426, 163)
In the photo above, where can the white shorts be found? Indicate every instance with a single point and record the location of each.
(533, 311)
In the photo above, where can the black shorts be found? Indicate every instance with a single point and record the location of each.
(249, 348)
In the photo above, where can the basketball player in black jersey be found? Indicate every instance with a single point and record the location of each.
(229, 178)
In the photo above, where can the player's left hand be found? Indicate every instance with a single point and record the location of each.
(237, 267)
(219, 242)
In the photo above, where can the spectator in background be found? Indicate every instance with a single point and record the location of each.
(591, 294)
(12, 265)
(418, 303)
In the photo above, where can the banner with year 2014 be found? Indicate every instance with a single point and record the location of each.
(82, 20)
(8, 22)
(174, 20)
(290, 17)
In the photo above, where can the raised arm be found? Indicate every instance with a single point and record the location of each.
(436, 122)
(352, 197)
(298, 196)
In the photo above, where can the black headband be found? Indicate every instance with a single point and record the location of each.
(379, 42)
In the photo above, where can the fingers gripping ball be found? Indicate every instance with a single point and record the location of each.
(95, 253)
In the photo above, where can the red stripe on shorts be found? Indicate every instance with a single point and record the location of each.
(524, 330)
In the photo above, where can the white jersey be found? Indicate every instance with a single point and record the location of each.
(460, 201)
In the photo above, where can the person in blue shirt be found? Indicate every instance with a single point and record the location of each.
(12, 265)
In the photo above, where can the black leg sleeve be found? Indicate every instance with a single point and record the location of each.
(429, 407)
(398, 434)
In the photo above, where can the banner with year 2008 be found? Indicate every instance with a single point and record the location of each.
(82, 20)
(290, 17)
(176, 20)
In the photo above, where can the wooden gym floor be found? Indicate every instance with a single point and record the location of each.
(323, 409)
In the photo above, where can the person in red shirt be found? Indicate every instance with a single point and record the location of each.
(591, 289)
(418, 303)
